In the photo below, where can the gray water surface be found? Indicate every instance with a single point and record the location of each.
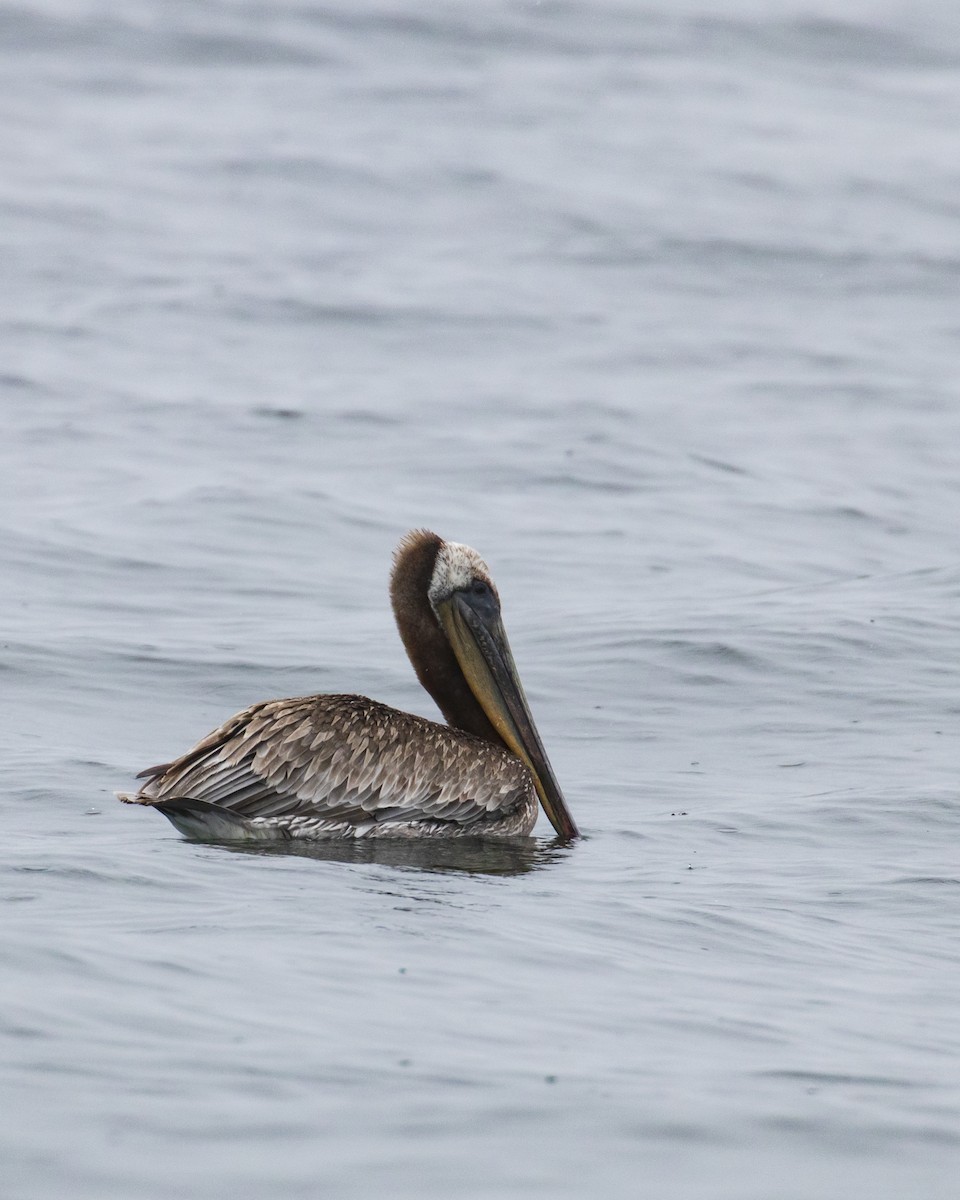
(658, 306)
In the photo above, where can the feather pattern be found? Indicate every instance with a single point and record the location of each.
(343, 766)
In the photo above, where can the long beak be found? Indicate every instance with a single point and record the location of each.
(479, 641)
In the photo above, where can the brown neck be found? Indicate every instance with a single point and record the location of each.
(424, 640)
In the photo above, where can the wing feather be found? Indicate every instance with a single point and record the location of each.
(345, 760)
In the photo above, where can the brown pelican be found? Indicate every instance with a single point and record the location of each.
(321, 767)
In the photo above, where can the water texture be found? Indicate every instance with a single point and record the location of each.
(656, 306)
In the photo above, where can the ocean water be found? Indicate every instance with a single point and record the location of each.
(655, 305)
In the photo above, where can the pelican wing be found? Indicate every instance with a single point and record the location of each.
(304, 766)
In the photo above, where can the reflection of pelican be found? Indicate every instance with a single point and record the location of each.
(320, 767)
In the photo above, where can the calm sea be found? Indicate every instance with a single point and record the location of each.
(658, 306)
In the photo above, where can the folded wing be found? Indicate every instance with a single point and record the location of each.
(341, 766)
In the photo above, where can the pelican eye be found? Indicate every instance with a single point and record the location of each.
(481, 599)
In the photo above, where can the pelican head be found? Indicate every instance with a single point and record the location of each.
(448, 612)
